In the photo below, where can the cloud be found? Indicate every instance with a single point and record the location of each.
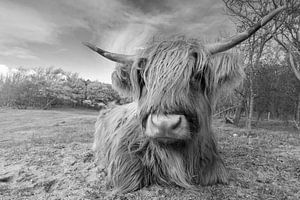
(18, 52)
(30, 26)
(43, 32)
(3, 70)
(142, 19)
(20, 24)
(192, 18)
(42, 21)
(105, 20)
(125, 25)
(27, 26)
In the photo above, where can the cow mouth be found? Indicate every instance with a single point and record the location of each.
(168, 140)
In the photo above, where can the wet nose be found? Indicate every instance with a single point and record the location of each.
(167, 127)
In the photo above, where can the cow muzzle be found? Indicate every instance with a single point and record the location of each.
(167, 128)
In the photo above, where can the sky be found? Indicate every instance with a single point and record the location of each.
(45, 33)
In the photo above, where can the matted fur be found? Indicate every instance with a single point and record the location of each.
(169, 77)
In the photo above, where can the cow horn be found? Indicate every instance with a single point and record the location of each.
(240, 37)
(120, 58)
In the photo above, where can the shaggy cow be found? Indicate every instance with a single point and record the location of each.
(165, 137)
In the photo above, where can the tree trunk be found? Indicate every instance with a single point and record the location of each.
(258, 117)
(250, 110)
(252, 64)
(251, 95)
(238, 113)
(273, 109)
(298, 109)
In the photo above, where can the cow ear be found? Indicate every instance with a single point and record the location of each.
(121, 79)
(127, 79)
(227, 71)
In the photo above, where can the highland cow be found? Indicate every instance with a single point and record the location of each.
(165, 137)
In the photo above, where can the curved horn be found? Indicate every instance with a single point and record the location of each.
(240, 37)
(120, 58)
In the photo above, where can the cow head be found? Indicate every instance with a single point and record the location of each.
(176, 81)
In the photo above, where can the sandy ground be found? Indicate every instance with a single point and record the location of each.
(46, 155)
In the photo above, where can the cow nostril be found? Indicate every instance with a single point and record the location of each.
(176, 124)
(167, 127)
(144, 121)
(150, 119)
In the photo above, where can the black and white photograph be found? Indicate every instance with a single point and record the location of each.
(149, 99)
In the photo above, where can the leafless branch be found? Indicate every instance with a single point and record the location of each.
(225, 110)
(291, 60)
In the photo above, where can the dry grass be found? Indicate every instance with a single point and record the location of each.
(46, 155)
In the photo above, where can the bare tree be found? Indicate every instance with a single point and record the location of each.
(289, 38)
(245, 14)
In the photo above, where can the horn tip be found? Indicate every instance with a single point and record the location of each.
(89, 45)
(86, 44)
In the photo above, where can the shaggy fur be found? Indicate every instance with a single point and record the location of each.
(169, 77)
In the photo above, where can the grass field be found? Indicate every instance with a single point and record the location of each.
(46, 155)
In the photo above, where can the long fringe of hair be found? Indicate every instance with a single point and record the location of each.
(167, 65)
(134, 161)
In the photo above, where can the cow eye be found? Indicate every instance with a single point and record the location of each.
(142, 63)
(198, 80)
(141, 66)
(198, 76)
(140, 79)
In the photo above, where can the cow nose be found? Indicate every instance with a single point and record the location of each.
(167, 127)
